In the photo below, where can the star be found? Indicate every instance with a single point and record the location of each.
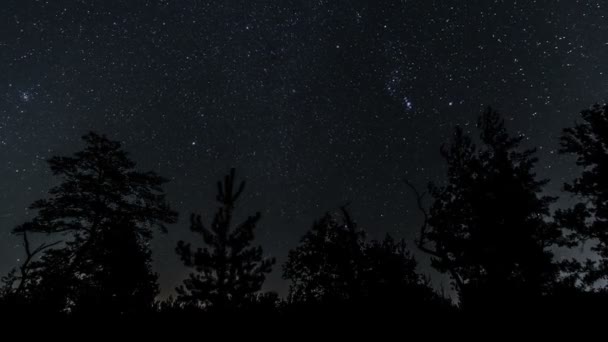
(25, 96)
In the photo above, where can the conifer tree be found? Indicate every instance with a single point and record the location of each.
(228, 271)
(488, 225)
(105, 211)
(588, 219)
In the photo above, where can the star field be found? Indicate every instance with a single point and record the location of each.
(316, 103)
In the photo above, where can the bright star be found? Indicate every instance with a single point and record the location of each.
(25, 96)
(407, 103)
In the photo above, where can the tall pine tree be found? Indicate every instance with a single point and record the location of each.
(228, 271)
(488, 225)
(106, 212)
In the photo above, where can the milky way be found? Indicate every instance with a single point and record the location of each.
(316, 103)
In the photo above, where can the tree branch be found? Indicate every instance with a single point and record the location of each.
(29, 257)
(421, 241)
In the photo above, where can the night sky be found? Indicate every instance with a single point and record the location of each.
(316, 103)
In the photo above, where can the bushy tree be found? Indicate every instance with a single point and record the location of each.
(334, 265)
(325, 266)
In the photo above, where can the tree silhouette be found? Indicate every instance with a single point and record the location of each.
(16, 282)
(390, 278)
(106, 211)
(324, 267)
(588, 219)
(229, 271)
(487, 227)
(335, 266)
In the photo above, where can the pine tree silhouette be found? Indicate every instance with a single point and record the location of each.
(487, 226)
(106, 211)
(588, 219)
(228, 271)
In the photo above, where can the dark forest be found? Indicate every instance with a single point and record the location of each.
(489, 227)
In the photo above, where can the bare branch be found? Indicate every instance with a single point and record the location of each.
(421, 241)
(24, 268)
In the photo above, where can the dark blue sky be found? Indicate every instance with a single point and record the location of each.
(315, 102)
